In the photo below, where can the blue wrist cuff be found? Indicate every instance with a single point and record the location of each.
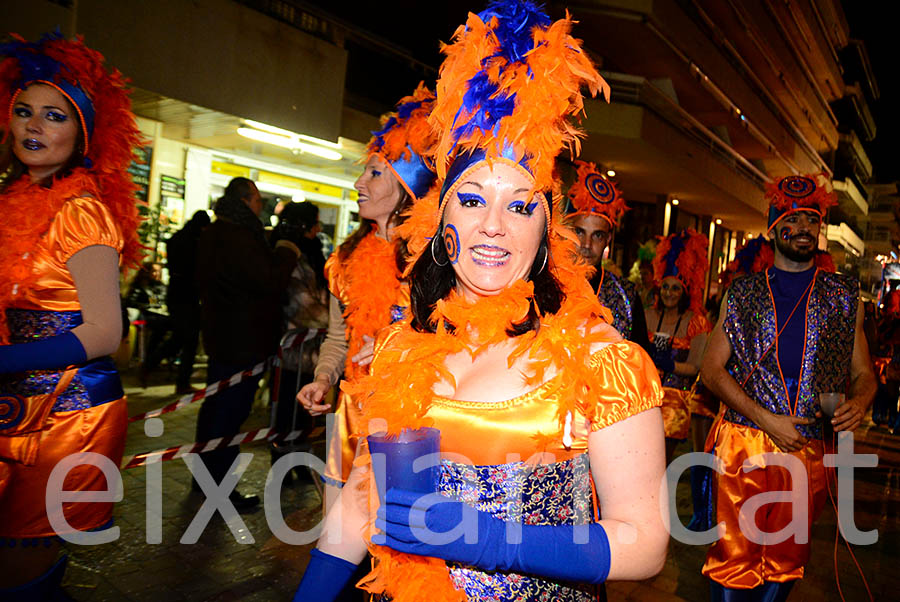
(47, 354)
(325, 577)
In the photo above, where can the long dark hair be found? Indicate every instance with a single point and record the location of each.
(349, 245)
(429, 282)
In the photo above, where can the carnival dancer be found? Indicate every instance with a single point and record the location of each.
(364, 274)
(69, 224)
(594, 209)
(785, 335)
(679, 326)
(507, 352)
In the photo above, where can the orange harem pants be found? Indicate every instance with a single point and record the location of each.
(734, 560)
(23, 509)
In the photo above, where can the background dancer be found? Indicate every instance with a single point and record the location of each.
(364, 274)
(595, 207)
(69, 223)
(784, 336)
(679, 326)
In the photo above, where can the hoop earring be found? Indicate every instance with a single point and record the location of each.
(433, 258)
(546, 254)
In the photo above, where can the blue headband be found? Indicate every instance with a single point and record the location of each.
(467, 159)
(37, 67)
(414, 174)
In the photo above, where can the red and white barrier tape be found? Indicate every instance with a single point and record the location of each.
(288, 342)
(290, 339)
(171, 453)
(209, 391)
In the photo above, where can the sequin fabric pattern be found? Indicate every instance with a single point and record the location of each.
(616, 294)
(675, 381)
(26, 325)
(543, 494)
(398, 313)
(32, 325)
(751, 328)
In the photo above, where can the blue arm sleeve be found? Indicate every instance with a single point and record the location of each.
(325, 577)
(47, 354)
(436, 526)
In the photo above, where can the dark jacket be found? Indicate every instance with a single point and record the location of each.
(241, 282)
(181, 257)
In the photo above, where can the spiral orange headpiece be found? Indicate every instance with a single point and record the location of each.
(595, 194)
(798, 193)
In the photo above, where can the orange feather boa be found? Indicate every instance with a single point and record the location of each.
(28, 210)
(371, 285)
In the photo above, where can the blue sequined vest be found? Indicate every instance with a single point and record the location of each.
(751, 329)
(616, 294)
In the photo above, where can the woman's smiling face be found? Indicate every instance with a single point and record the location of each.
(379, 191)
(492, 229)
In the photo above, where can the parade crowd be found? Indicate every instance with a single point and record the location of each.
(473, 308)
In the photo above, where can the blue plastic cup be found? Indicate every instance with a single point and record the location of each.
(393, 458)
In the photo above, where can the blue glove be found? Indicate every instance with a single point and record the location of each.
(664, 362)
(325, 577)
(434, 525)
(47, 354)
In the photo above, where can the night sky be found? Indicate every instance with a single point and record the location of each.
(869, 23)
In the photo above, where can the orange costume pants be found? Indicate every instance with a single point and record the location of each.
(23, 509)
(735, 560)
(676, 413)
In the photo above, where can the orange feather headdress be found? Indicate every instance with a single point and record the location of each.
(755, 256)
(798, 193)
(100, 98)
(507, 89)
(406, 142)
(595, 194)
(683, 255)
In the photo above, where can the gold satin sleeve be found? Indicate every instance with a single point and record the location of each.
(625, 383)
(81, 222)
(698, 325)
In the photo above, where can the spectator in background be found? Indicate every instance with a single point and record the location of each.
(241, 281)
(147, 294)
(305, 306)
(183, 299)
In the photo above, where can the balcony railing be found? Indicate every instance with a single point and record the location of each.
(631, 89)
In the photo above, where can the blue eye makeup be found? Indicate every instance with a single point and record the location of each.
(22, 112)
(470, 199)
(56, 116)
(521, 207)
(375, 173)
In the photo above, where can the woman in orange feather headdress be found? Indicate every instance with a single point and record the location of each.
(364, 275)
(678, 325)
(545, 414)
(69, 225)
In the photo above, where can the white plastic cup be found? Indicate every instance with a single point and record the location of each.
(830, 402)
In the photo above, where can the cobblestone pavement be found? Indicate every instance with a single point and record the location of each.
(254, 565)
